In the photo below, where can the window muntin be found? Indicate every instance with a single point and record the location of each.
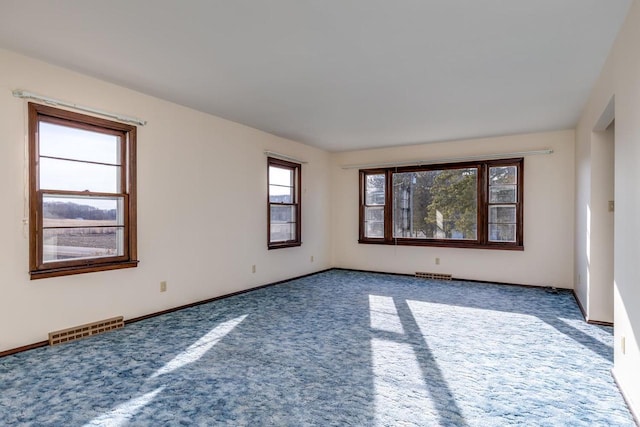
(475, 204)
(82, 193)
(284, 204)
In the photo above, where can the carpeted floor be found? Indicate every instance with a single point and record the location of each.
(336, 348)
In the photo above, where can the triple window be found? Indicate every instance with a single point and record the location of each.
(82, 194)
(283, 210)
(475, 204)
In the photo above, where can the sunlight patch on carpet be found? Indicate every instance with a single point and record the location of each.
(384, 315)
(399, 384)
(122, 414)
(331, 350)
(200, 347)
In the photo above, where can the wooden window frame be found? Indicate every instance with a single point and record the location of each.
(38, 269)
(482, 241)
(386, 207)
(296, 168)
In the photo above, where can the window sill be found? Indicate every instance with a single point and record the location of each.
(67, 271)
(455, 244)
(284, 245)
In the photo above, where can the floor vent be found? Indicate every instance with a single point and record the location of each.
(83, 331)
(434, 276)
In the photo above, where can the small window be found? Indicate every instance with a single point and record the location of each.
(82, 193)
(373, 205)
(474, 204)
(283, 213)
(503, 203)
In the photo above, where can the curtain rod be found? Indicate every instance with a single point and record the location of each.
(283, 156)
(19, 93)
(450, 160)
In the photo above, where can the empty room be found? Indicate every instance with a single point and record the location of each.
(306, 212)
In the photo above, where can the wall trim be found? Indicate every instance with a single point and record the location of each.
(23, 348)
(459, 279)
(600, 323)
(372, 271)
(584, 313)
(634, 414)
(169, 310)
(582, 310)
(208, 300)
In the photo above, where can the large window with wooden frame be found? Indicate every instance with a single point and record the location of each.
(472, 204)
(283, 210)
(82, 193)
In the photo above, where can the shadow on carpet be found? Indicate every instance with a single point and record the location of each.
(336, 348)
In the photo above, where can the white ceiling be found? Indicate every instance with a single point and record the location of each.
(338, 74)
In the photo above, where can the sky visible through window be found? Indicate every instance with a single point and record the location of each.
(280, 181)
(61, 142)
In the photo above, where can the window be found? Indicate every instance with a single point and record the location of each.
(374, 205)
(475, 204)
(283, 213)
(82, 199)
(503, 203)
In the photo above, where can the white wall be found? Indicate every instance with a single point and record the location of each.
(601, 226)
(202, 185)
(620, 78)
(594, 260)
(217, 171)
(548, 215)
(582, 221)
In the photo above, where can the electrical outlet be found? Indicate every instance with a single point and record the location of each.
(437, 261)
(163, 286)
(253, 268)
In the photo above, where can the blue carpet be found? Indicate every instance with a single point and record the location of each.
(336, 348)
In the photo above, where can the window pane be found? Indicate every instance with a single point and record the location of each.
(282, 232)
(374, 222)
(502, 232)
(502, 214)
(281, 214)
(280, 176)
(79, 243)
(374, 214)
(374, 191)
(503, 194)
(76, 176)
(80, 211)
(437, 204)
(503, 175)
(78, 144)
(503, 189)
(283, 223)
(279, 194)
(281, 185)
